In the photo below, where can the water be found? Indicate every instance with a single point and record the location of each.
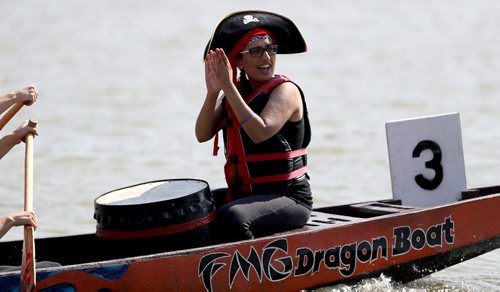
(121, 84)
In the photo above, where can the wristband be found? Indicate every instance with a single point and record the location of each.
(246, 119)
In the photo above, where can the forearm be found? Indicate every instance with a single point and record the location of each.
(7, 142)
(6, 101)
(252, 123)
(6, 224)
(208, 118)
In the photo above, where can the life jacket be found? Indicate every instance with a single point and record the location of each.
(267, 167)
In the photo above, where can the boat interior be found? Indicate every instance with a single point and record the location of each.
(89, 248)
(336, 215)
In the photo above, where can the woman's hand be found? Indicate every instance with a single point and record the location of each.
(8, 141)
(24, 218)
(17, 219)
(23, 130)
(28, 95)
(213, 87)
(220, 68)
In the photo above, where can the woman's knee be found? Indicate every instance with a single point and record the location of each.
(232, 221)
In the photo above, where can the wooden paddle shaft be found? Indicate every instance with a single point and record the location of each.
(28, 171)
(11, 113)
(28, 275)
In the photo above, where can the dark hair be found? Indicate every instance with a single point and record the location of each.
(245, 87)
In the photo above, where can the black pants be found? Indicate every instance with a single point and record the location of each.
(258, 215)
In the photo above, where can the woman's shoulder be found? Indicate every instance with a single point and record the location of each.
(288, 87)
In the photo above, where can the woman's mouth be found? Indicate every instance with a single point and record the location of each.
(264, 68)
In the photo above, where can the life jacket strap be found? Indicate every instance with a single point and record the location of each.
(216, 139)
(272, 156)
(216, 144)
(276, 177)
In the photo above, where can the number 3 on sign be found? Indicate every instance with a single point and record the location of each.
(434, 164)
(426, 160)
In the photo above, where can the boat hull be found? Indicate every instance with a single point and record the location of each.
(403, 242)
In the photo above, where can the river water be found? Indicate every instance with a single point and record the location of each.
(121, 83)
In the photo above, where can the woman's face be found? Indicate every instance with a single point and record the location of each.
(258, 69)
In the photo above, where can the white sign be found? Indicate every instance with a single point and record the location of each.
(426, 160)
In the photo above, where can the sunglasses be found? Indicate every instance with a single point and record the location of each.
(259, 51)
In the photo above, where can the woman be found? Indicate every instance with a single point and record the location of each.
(265, 124)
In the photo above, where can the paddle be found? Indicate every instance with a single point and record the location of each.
(28, 275)
(12, 112)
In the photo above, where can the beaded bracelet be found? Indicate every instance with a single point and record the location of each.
(246, 119)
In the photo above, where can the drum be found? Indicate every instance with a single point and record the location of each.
(152, 209)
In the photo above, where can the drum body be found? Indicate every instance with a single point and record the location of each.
(155, 209)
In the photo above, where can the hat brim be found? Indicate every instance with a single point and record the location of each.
(234, 26)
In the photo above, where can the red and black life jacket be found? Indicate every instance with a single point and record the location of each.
(267, 167)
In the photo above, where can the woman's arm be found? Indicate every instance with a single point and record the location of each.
(211, 112)
(208, 119)
(284, 104)
(27, 95)
(17, 219)
(10, 140)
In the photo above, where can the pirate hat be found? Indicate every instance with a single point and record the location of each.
(235, 25)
